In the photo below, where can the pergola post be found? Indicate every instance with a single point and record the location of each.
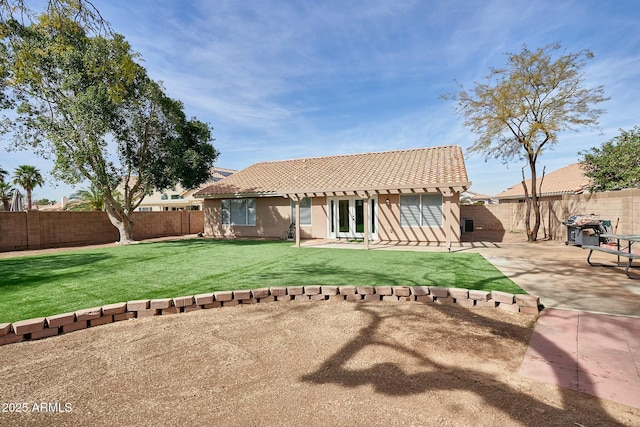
(367, 227)
(297, 204)
(448, 223)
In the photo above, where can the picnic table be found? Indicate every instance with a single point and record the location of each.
(619, 251)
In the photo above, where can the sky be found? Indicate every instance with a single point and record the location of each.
(291, 79)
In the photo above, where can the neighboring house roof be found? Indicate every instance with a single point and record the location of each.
(59, 206)
(425, 169)
(218, 174)
(567, 180)
(54, 207)
(155, 199)
(474, 197)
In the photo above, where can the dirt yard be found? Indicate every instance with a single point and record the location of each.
(298, 364)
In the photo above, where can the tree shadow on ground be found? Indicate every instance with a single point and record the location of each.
(565, 277)
(216, 242)
(390, 379)
(463, 272)
(38, 270)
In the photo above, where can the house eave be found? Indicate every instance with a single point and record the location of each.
(168, 202)
(236, 195)
(452, 187)
(445, 188)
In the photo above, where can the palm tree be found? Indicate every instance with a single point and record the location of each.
(28, 177)
(86, 200)
(6, 191)
(3, 173)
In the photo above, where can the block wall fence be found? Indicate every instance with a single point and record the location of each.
(43, 229)
(502, 221)
(44, 327)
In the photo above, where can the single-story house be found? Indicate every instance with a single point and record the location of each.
(408, 195)
(570, 179)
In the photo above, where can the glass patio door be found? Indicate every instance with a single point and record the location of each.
(344, 218)
(359, 216)
(350, 218)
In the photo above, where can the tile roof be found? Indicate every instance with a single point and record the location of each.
(218, 174)
(567, 180)
(390, 170)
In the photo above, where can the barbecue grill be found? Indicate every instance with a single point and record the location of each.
(586, 230)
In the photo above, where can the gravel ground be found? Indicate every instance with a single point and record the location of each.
(294, 363)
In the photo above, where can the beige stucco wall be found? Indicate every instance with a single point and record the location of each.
(272, 219)
(318, 229)
(389, 228)
(273, 216)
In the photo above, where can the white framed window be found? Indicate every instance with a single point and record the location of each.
(238, 211)
(145, 209)
(305, 211)
(421, 210)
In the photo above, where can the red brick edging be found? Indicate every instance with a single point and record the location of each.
(44, 327)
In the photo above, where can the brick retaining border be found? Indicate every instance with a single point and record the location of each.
(44, 327)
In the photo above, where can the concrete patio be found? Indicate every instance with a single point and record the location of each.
(557, 273)
(587, 337)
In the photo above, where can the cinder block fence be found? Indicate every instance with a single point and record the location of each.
(43, 229)
(44, 327)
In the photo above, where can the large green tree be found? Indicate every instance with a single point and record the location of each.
(615, 164)
(3, 173)
(82, 96)
(28, 177)
(520, 110)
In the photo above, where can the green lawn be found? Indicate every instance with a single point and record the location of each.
(44, 285)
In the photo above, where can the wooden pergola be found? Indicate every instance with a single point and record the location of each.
(447, 190)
